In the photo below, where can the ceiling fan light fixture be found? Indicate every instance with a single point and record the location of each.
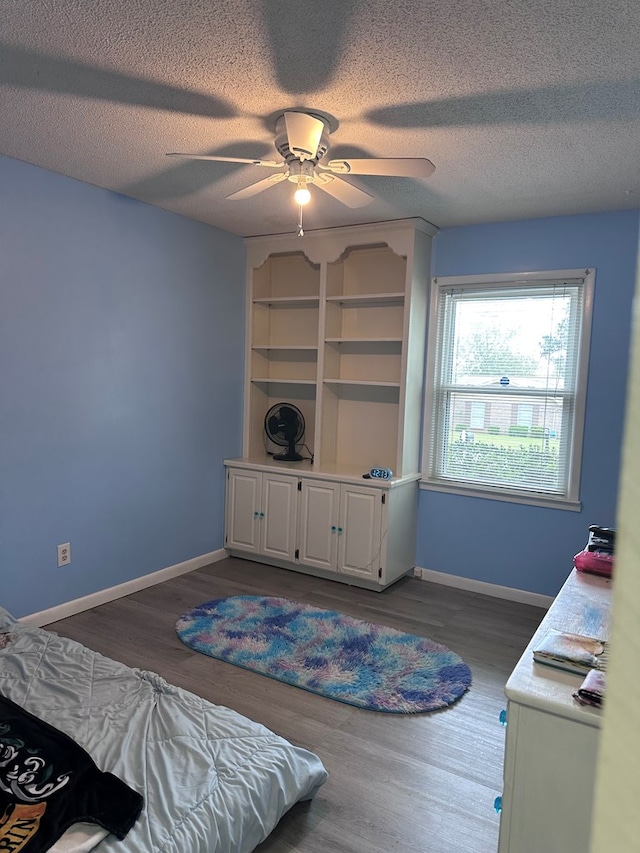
(302, 140)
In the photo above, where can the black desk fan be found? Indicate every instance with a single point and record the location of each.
(284, 426)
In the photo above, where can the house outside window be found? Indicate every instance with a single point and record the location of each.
(506, 385)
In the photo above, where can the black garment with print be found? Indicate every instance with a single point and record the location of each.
(48, 783)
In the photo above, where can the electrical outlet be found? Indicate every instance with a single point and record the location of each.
(417, 572)
(64, 554)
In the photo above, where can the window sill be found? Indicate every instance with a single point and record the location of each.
(506, 497)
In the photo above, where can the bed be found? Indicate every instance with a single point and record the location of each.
(212, 780)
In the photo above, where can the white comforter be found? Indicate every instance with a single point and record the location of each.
(213, 781)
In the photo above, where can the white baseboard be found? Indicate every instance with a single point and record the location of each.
(485, 588)
(78, 605)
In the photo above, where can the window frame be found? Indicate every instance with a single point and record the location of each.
(501, 282)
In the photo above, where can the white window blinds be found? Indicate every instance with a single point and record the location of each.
(506, 372)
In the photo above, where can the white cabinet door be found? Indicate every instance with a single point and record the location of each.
(261, 513)
(340, 528)
(359, 531)
(278, 516)
(243, 510)
(318, 524)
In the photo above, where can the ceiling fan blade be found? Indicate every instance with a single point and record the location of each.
(400, 167)
(272, 164)
(258, 187)
(342, 191)
(304, 133)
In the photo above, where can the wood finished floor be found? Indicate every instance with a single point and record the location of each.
(409, 784)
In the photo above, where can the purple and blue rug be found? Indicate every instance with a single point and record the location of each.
(366, 665)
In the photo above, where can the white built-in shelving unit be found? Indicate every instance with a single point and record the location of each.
(336, 325)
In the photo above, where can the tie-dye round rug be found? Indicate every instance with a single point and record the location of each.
(366, 665)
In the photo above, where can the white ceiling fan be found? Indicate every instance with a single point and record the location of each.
(302, 139)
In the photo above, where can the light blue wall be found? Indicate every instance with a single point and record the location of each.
(525, 547)
(121, 352)
(121, 359)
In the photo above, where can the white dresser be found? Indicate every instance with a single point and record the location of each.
(552, 741)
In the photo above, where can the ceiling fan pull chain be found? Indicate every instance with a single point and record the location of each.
(300, 231)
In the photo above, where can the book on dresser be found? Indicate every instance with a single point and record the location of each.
(571, 652)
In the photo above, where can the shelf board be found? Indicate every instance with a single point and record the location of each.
(369, 299)
(372, 383)
(288, 301)
(363, 340)
(285, 348)
(280, 381)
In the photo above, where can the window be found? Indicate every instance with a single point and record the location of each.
(506, 385)
(476, 416)
(525, 414)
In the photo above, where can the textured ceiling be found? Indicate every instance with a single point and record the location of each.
(527, 108)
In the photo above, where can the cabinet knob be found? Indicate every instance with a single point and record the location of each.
(339, 531)
(333, 528)
(261, 515)
(497, 804)
(256, 514)
(503, 717)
